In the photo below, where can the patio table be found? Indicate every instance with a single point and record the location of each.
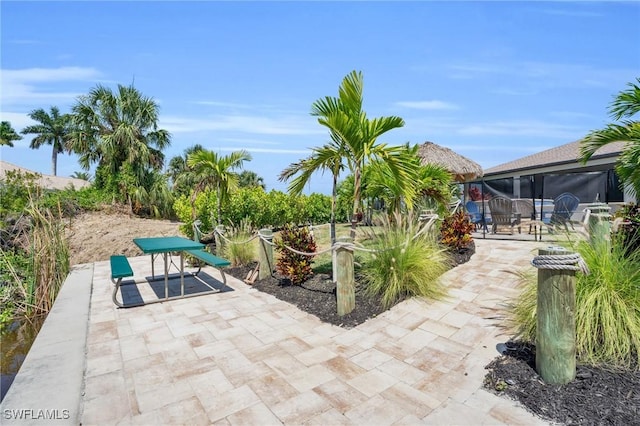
(164, 246)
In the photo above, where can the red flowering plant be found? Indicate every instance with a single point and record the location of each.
(455, 232)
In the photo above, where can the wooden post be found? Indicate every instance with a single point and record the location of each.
(599, 220)
(556, 326)
(345, 283)
(265, 254)
(219, 241)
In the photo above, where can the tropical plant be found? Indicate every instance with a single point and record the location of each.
(153, 197)
(424, 182)
(355, 136)
(250, 179)
(405, 262)
(178, 171)
(455, 231)
(53, 129)
(8, 134)
(118, 131)
(295, 266)
(16, 190)
(82, 175)
(607, 305)
(31, 279)
(211, 170)
(624, 106)
(328, 157)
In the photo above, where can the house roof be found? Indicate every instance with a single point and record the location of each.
(563, 154)
(45, 181)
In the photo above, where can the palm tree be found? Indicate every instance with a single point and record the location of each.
(328, 157)
(426, 181)
(8, 134)
(214, 171)
(624, 106)
(118, 131)
(178, 171)
(81, 175)
(53, 130)
(249, 179)
(357, 135)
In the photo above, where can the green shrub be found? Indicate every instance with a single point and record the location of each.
(16, 190)
(296, 267)
(607, 305)
(403, 265)
(239, 250)
(71, 201)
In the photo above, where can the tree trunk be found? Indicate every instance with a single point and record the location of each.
(356, 202)
(334, 195)
(54, 159)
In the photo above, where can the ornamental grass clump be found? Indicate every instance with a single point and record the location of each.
(404, 264)
(240, 248)
(607, 305)
(295, 266)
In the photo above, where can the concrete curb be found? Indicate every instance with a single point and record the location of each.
(48, 387)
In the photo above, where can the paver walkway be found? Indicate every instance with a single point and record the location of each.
(245, 357)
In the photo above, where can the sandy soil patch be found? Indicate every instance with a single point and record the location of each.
(95, 236)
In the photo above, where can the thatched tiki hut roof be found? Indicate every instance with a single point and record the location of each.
(462, 168)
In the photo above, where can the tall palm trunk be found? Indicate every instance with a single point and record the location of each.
(356, 201)
(334, 196)
(54, 159)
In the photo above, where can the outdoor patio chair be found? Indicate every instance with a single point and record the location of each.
(475, 215)
(525, 208)
(564, 206)
(502, 214)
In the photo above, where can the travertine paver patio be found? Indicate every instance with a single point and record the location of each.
(245, 357)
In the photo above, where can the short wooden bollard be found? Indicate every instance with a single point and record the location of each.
(556, 322)
(345, 283)
(265, 254)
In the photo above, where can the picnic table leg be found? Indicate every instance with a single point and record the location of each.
(166, 275)
(181, 274)
(153, 274)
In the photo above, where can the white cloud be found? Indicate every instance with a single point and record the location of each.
(284, 125)
(248, 141)
(31, 86)
(571, 13)
(522, 128)
(18, 120)
(265, 150)
(223, 104)
(428, 105)
(544, 74)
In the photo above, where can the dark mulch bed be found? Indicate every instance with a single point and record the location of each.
(317, 295)
(598, 396)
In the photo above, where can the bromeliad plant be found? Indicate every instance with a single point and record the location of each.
(296, 267)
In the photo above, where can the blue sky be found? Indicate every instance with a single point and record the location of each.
(494, 81)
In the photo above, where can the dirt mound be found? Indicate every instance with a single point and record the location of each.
(95, 236)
